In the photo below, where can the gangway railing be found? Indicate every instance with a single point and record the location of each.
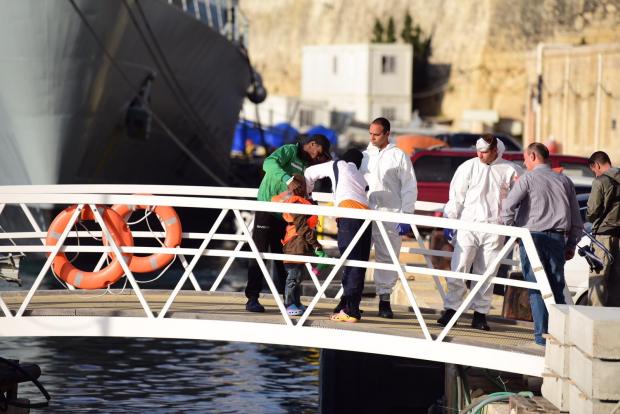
(212, 198)
(235, 203)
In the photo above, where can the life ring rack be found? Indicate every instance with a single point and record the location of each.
(108, 275)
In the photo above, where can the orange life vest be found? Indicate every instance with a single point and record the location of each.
(291, 231)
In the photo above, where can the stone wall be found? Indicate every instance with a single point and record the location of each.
(480, 48)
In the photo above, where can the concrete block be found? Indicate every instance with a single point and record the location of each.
(556, 357)
(596, 378)
(558, 322)
(581, 404)
(556, 390)
(595, 330)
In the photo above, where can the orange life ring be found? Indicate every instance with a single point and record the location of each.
(171, 223)
(66, 271)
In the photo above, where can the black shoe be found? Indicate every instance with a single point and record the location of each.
(254, 305)
(446, 316)
(385, 310)
(480, 322)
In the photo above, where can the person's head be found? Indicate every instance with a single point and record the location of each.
(599, 163)
(315, 148)
(535, 154)
(486, 148)
(379, 131)
(353, 155)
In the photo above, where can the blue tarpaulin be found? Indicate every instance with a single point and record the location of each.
(330, 134)
(243, 131)
(280, 134)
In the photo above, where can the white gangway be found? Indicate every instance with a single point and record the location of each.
(421, 341)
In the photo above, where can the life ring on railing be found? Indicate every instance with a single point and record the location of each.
(66, 271)
(171, 223)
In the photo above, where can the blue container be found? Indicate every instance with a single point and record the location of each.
(330, 134)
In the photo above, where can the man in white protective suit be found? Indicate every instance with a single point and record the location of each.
(392, 187)
(477, 190)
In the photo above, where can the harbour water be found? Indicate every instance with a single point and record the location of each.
(121, 375)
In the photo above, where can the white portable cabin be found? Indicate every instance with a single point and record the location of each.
(366, 80)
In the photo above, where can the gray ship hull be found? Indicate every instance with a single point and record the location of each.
(63, 101)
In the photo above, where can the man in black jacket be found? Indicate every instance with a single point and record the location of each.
(604, 214)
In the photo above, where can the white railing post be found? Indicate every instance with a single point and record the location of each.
(230, 260)
(332, 274)
(49, 260)
(121, 260)
(539, 271)
(263, 268)
(403, 280)
(193, 263)
(486, 276)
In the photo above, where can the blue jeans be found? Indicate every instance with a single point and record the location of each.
(292, 289)
(550, 247)
(353, 277)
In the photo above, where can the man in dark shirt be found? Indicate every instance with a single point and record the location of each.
(604, 214)
(547, 206)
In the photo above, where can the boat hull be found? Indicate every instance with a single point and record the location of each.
(63, 100)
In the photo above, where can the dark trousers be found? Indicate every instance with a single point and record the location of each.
(550, 247)
(267, 235)
(353, 277)
(292, 291)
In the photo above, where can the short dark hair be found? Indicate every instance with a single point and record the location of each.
(383, 122)
(539, 149)
(318, 138)
(599, 157)
(353, 155)
(490, 139)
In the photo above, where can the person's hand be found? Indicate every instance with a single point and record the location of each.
(404, 228)
(320, 253)
(319, 266)
(450, 235)
(298, 185)
(569, 253)
(587, 227)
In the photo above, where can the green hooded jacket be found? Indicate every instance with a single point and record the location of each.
(279, 167)
(604, 203)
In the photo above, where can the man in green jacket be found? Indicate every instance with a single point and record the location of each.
(284, 170)
(604, 214)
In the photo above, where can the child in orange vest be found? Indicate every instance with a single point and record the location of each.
(299, 239)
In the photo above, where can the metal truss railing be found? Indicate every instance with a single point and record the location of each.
(234, 201)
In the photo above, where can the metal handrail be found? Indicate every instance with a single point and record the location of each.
(204, 197)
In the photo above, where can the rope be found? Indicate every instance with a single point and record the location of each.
(136, 90)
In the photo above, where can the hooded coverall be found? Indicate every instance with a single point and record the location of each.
(477, 191)
(392, 187)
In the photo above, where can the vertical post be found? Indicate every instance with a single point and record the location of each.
(121, 260)
(192, 264)
(48, 262)
(597, 113)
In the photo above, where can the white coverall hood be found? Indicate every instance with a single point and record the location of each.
(477, 190)
(391, 179)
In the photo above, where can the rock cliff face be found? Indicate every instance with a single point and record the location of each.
(481, 49)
